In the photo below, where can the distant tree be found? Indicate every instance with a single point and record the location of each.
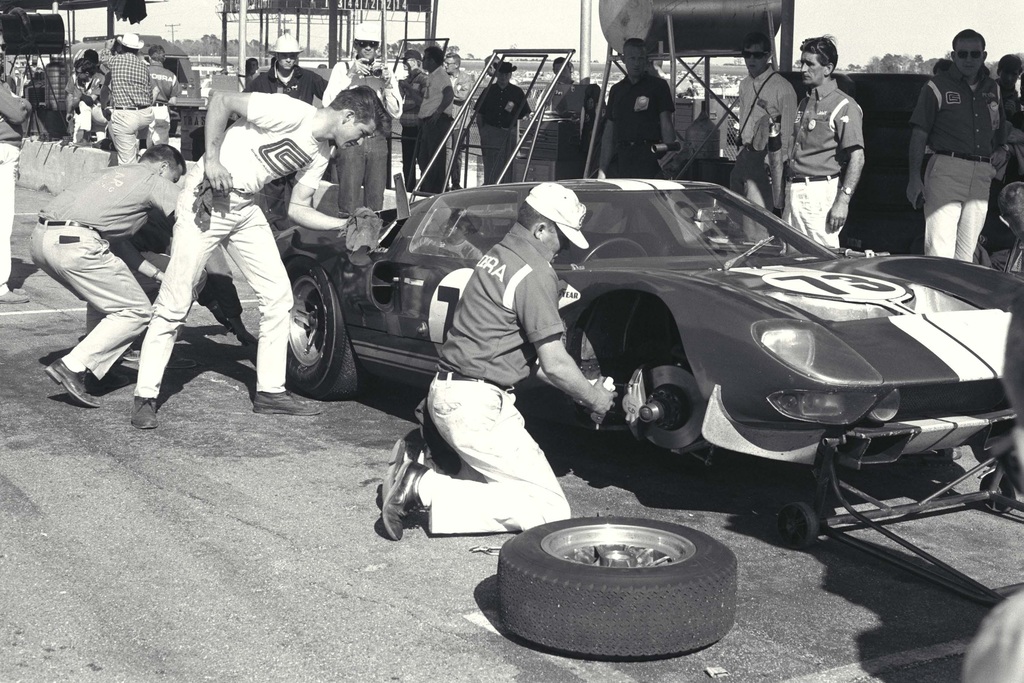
(454, 49)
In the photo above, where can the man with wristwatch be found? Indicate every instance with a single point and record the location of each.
(828, 148)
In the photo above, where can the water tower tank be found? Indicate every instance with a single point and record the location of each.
(701, 27)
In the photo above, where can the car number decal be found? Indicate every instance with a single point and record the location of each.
(852, 288)
(443, 302)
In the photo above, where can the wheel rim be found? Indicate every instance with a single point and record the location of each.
(618, 545)
(308, 328)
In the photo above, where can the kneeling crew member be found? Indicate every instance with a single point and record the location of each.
(83, 242)
(507, 319)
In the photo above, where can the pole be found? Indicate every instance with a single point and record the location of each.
(786, 41)
(243, 27)
(224, 39)
(172, 27)
(332, 32)
(586, 20)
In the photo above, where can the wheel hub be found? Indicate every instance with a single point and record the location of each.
(618, 546)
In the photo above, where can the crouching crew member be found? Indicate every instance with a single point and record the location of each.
(506, 320)
(83, 242)
(275, 135)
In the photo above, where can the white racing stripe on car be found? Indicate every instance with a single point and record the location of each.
(971, 343)
(946, 432)
(628, 184)
(659, 184)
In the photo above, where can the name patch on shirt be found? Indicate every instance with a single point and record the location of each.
(952, 98)
(641, 103)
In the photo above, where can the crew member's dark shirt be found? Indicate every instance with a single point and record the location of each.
(636, 109)
(303, 85)
(498, 105)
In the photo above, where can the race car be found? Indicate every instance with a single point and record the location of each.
(719, 324)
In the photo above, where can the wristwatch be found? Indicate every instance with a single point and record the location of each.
(847, 191)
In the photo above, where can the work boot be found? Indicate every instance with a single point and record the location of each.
(73, 383)
(144, 413)
(282, 403)
(400, 497)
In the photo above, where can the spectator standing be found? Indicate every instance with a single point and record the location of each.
(252, 70)
(959, 117)
(435, 120)
(131, 97)
(505, 322)
(828, 148)
(362, 169)
(275, 136)
(14, 111)
(284, 76)
(1008, 72)
(166, 90)
(83, 242)
(412, 87)
(499, 108)
(640, 109)
(764, 95)
(462, 86)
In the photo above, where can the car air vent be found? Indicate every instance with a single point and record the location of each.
(962, 398)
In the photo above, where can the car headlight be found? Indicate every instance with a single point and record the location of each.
(823, 407)
(814, 352)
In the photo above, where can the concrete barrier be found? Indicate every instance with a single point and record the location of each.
(51, 166)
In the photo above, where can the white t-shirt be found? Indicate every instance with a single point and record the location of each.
(274, 140)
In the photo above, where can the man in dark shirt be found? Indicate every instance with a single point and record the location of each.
(960, 118)
(640, 109)
(506, 321)
(83, 241)
(499, 108)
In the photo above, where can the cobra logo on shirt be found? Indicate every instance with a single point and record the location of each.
(283, 157)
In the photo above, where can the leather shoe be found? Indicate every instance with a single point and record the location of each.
(144, 413)
(14, 296)
(400, 497)
(282, 403)
(73, 383)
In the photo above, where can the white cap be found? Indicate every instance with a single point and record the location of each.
(367, 32)
(561, 205)
(286, 44)
(132, 41)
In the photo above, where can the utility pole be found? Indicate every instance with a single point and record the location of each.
(172, 27)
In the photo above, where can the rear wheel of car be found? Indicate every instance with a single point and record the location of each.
(320, 363)
(617, 588)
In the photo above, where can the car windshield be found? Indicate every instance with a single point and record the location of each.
(700, 228)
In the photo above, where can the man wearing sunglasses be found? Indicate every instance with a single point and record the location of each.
(362, 169)
(764, 95)
(959, 118)
(828, 148)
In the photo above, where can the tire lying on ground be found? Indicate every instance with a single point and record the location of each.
(617, 588)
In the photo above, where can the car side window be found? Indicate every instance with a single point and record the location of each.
(465, 225)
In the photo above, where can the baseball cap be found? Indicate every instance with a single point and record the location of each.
(561, 205)
(413, 54)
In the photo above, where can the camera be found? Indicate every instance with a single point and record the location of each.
(375, 69)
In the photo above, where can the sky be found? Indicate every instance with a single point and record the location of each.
(863, 28)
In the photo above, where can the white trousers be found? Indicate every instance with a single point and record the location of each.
(955, 205)
(160, 129)
(505, 483)
(8, 178)
(239, 222)
(124, 128)
(807, 207)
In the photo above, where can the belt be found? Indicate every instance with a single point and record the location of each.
(811, 178)
(966, 157)
(145, 106)
(65, 224)
(634, 143)
(458, 377)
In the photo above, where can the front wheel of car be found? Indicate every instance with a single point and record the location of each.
(321, 363)
(617, 588)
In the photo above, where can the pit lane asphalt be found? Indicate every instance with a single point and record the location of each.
(230, 546)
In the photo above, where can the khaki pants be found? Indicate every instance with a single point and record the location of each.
(238, 221)
(955, 205)
(505, 483)
(124, 128)
(9, 155)
(807, 207)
